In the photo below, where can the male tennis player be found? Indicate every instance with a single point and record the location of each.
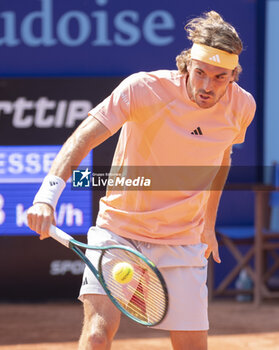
(189, 117)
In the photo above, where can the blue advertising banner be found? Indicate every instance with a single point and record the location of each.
(106, 37)
(22, 169)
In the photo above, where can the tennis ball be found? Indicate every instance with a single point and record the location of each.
(123, 272)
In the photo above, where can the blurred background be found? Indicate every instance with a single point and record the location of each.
(58, 59)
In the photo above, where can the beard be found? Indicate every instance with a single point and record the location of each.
(202, 98)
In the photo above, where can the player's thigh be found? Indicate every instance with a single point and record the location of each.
(189, 340)
(100, 315)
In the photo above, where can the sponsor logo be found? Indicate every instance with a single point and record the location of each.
(45, 113)
(46, 27)
(85, 281)
(62, 267)
(215, 58)
(197, 131)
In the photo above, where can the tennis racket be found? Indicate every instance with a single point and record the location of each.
(144, 298)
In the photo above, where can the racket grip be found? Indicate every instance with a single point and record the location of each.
(60, 236)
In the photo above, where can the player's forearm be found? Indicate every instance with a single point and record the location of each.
(69, 157)
(87, 136)
(216, 192)
(211, 210)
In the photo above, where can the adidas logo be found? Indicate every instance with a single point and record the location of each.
(85, 281)
(215, 58)
(53, 183)
(197, 131)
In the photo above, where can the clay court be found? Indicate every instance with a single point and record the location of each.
(56, 326)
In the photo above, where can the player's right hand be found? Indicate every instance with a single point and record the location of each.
(40, 216)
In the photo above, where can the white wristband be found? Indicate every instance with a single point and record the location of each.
(50, 190)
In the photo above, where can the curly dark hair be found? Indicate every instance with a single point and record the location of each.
(210, 30)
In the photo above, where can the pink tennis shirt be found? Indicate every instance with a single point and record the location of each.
(162, 127)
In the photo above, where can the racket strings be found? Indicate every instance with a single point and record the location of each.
(138, 304)
(137, 295)
(152, 290)
(144, 296)
(118, 288)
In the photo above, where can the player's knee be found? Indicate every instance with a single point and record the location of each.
(98, 341)
(99, 335)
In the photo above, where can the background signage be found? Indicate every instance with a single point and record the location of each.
(22, 169)
(43, 111)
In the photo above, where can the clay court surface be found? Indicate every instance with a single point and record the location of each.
(56, 326)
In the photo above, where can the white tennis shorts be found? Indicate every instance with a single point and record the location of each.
(184, 269)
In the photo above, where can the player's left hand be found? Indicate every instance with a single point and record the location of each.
(209, 237)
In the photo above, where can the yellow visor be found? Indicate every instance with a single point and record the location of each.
(214, 56)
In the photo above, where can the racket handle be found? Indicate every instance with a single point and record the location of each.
(60, 235)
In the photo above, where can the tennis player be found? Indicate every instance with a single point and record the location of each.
(188, 117)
